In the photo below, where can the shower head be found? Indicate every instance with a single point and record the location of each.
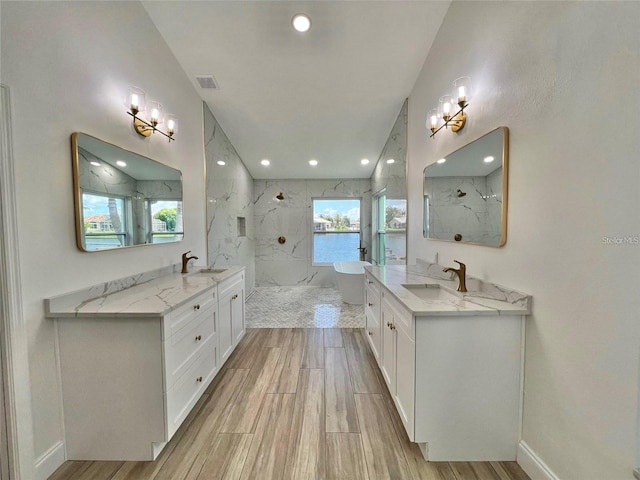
(460, 193)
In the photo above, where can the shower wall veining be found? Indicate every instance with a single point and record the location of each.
(229, 198)
(291, 263)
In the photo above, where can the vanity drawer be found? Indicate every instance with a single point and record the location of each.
(184, 314)
(372, 283)
(372, 301)
(187, 390)
(182, 349)
(230, 284)
(402, 317)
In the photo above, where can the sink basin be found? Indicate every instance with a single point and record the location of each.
(213, 271)
(426, 291)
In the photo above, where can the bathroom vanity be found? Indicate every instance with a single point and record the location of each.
(136, 359)
(452, 362)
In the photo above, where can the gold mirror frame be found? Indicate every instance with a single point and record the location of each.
(154, 182)
(457, 165)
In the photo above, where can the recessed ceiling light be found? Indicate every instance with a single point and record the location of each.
(221, 162)
(313, 163)
(488, 159)
(442, 160)
(120, 163)
(364, 161)
(301, 22)
(265, 162)
(95, 164)
(391, 160)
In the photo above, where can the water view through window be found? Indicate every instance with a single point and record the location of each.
(336, 230)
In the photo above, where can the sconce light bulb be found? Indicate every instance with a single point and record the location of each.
(171, 125)
(135, 103)
(154, 116)
(462, 95)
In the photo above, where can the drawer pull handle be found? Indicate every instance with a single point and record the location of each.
(371, 304)
(199, 379)
(198, 338)
(196, 306)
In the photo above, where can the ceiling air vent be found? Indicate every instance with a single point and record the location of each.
(207, 81)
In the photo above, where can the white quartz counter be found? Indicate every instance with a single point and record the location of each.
(129, 298)
(482, 298)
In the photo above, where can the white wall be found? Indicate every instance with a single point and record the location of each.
(564, 77)
(68, 65)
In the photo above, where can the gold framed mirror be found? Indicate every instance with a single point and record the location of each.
(123, 199)
(465, 193)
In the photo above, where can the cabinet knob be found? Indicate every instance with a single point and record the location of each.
(198, 338)
(234, 297)
(389, 324)
(196, 306)
(370, 282)
(392, 326)
(370, 304)
(370, 333)
(199, 379)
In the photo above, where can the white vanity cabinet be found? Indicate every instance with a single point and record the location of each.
(231, 308)
(397, 362)
(372, 314)
(134, 362)
(453, 370)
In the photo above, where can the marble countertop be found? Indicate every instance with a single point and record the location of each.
(152, 298)
(482, 298)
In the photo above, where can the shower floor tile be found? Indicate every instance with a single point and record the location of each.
(301, 307)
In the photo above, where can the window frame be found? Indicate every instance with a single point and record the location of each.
(313, 232)
(149, 219)
(126, 233)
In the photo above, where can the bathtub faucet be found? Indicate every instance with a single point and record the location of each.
(363, 252)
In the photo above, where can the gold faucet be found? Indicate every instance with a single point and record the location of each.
(185, 260)
(462, 274)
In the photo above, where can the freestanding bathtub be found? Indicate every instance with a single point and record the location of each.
(350, 275)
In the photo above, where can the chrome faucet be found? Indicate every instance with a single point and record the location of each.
(462, 275)
(185, 260)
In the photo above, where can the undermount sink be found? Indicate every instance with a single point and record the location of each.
(430, 291)
(213, 271)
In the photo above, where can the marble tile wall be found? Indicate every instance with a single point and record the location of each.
(229, 196)
(290, 263)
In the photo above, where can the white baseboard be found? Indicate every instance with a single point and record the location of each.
(532, 464)
(50, 461)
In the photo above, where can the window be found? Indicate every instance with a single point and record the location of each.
(105, 221)
(336, 230)
(390, 221)
(165, 219)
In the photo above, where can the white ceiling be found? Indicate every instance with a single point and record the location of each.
(331, 94)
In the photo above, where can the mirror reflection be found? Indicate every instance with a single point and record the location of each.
(123, 199)
(465, 193)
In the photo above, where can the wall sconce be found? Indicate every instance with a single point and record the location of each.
(449, 104)
(153, 113)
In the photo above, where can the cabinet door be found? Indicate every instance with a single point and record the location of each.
(405, 379)
(237, 314)
(372, 317)
(388, 357)
(225, 327)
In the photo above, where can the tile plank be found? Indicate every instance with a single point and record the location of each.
(306, 452)
(499, 469)
(276, 337)
(285, 378)
(444, 470)
(340, 409)
(192, 447)
(227, 457)
(484, 471)
(313, 350)
(515, 471)
(382, 450)
(70, 469)
(345, 457)
(361, 369)
(268, 453)
(246, 406)
(332, 338)
(99, 470)
(244, 355)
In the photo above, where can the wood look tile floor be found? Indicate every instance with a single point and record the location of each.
(294, 403)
